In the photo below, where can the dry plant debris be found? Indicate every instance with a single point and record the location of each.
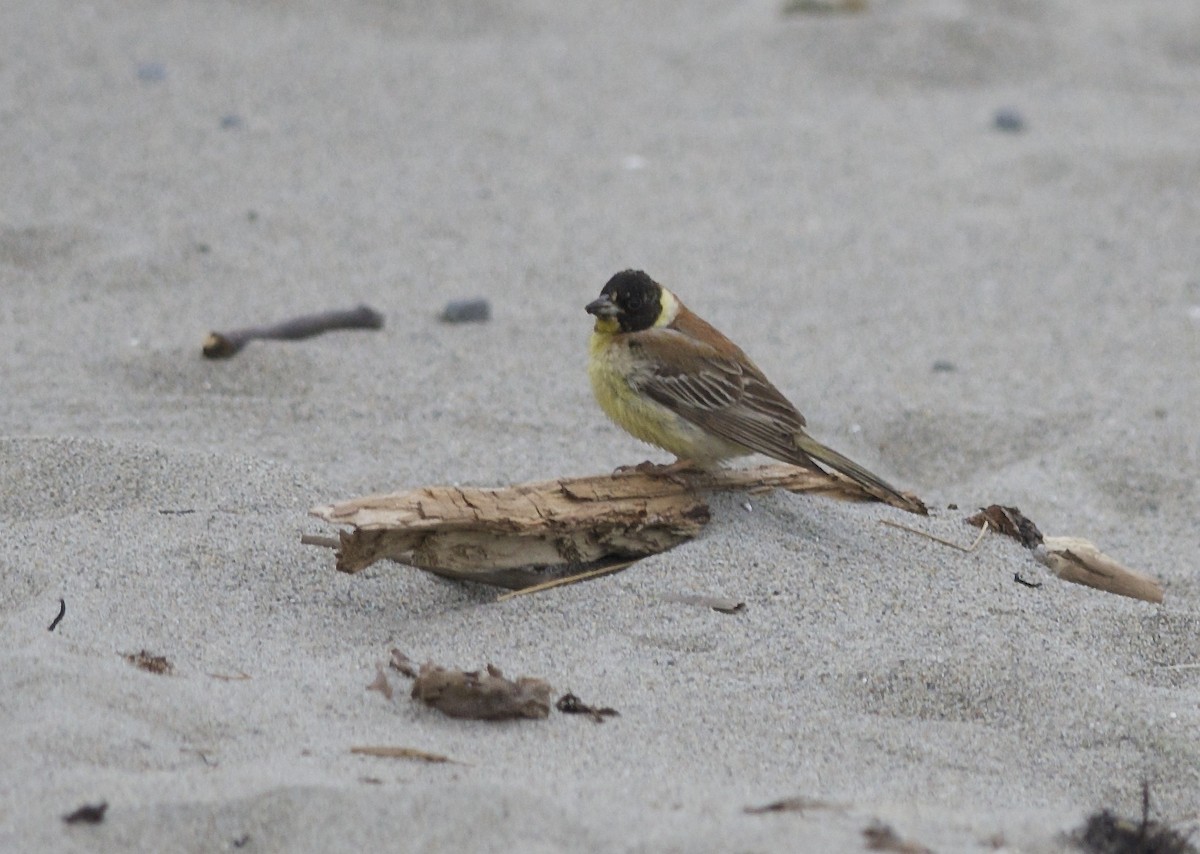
(478, 695)
(797, 804)
(62, 612)
(402, 664)
(569, 704)
(824, 7)
(1009, 521)
(486, 696)
(222, 345)
(389, 752)
(87, 814)
(1104, 833)
(1077, 560)
(150, 663)
(381, 684)
(1070, 558)
(881, 837)
(466, 311)
(515, 536)
(231, 677)
(721, 604)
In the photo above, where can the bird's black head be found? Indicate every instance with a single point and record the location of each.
(630, 302)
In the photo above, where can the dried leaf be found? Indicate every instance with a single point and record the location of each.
(1078, 560)
(1010, 521)
(149, 662)
(481, 696)
(571, 705)
(381, 683)
(402, 663)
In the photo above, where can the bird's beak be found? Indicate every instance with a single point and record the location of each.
(603, 307)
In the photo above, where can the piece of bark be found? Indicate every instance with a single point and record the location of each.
(509, 536)
(1078, 560)
(487, 696)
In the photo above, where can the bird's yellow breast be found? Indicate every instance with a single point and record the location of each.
(611, 364)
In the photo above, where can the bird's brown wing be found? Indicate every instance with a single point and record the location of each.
(724, 394)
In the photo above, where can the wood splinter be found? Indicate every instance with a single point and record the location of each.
(523, 535)
(222, 345)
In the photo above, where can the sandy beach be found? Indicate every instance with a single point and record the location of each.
(963, 237)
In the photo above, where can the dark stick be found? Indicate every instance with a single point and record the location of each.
(222, 345)
(1034, 584)
(87, 814)
(62, 612)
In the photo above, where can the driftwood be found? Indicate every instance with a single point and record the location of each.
(1078, 560)
(1070, 558)
(520, 535)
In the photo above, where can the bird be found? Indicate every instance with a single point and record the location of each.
(669, 378)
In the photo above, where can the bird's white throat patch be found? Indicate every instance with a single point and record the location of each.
(668, 310)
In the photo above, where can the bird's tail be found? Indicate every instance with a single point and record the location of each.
(872, 483)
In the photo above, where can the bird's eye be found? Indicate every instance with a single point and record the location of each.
(633, 302)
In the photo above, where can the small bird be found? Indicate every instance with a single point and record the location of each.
(669, 378)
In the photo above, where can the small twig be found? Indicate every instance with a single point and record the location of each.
(983, 530)
(570, 579)
(717, 603)
(222, 345)
(798, 804)
(62, 612)
(318, 540)
(390, 752)
(1034, 584)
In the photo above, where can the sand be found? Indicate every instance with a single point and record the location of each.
(978, 314)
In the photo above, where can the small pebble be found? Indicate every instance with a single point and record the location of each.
(151, 72)
(942, 366)
(1009, 120)
(466, 311)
